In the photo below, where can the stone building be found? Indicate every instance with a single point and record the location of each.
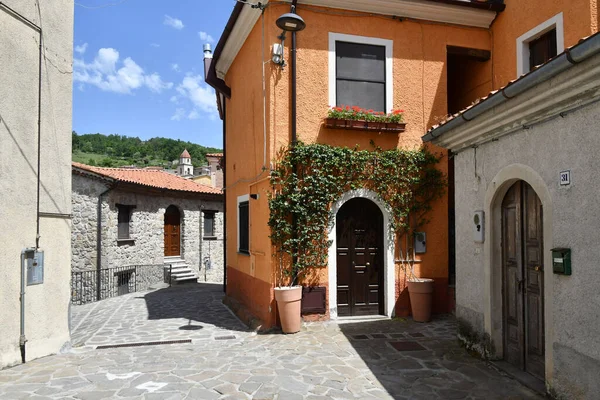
(185, 167)
(35, 177)
(145, 218)
(527, 216)
(211, 175)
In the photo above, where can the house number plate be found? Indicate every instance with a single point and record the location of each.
(565, 178)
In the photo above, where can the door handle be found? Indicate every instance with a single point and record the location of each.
(368, 264)
(537, 268)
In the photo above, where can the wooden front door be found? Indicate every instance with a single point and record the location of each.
(172, 232)
(523, 279)
(359, 258)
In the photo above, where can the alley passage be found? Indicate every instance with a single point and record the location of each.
(216, 357)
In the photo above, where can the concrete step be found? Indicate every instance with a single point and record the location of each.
(180, 270)
(186, 277)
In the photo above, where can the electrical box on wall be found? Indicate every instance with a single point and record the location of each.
(420, 242)
(478, 226)
(561, 261)
(34, 263)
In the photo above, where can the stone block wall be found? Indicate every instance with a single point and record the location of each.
(146, 229)
(213, 251)
(84, 200)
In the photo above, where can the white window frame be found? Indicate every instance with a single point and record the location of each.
(523, 41)
(389, 64)
(241, 199)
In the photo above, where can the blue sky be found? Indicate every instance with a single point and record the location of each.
(138, 68)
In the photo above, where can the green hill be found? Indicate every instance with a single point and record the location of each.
(116, 150)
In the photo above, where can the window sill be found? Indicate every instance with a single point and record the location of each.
(209, 238)
(243, 253)
(333, 123)
(124, 242)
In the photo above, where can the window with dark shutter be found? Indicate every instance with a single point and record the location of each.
(209, 223)
(244, 227)
(360, 75)
(542, 49)
(124, 218)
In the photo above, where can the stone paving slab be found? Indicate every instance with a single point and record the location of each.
(323, 361)
(193, 312)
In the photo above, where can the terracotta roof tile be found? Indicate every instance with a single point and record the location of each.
(150, 178)
(214, 155)
(185, 154)
(449, 118)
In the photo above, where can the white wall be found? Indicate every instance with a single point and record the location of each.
(47, 305)
(572, 302)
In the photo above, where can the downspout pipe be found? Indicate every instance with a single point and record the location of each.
(224, 167)
(293, 117)
(559, 64)
(22, 337)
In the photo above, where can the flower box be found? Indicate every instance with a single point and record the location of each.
(395, 127)
(335, 123)
(356, 118)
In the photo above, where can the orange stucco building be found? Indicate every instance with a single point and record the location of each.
(438, 57)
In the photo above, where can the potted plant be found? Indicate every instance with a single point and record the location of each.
(394, 120)
(347, 117)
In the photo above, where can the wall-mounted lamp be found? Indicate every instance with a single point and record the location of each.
(291, 22)
(277, 56)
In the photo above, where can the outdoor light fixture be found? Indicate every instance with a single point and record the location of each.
(277, 57)
(288, 22)
(291, 22)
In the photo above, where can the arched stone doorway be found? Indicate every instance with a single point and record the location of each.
(388, 234)
(523, 279)
(172, 231)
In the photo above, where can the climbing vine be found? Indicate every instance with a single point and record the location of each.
(309, 178)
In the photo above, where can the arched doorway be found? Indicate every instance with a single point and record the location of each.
(360, 261)
(172, 232)
(523, 279)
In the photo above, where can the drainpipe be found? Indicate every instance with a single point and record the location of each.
(224, 167)
(208, 57)
(99, 245)
(294, 137)
(22, 338)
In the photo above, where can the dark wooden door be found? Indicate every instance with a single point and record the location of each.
(172, 232)
(523, 279)
(359, 258)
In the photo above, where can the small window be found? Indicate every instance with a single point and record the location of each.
(209, 223)
(542, 49)
(244, 227)
(360, 75)
(124, 219)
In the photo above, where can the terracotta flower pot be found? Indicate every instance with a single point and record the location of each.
(421, 295)
(289, 301)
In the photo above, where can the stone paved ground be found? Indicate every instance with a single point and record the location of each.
(323, 361)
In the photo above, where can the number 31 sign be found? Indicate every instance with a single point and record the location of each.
(565, 178)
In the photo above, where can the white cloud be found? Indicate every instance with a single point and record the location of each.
(205, 37)
(173, 22)
(81, 49)
(199, 93)
(154, 44)
(104, 74)
(175, 67)
(156, 84)
(179, 114)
